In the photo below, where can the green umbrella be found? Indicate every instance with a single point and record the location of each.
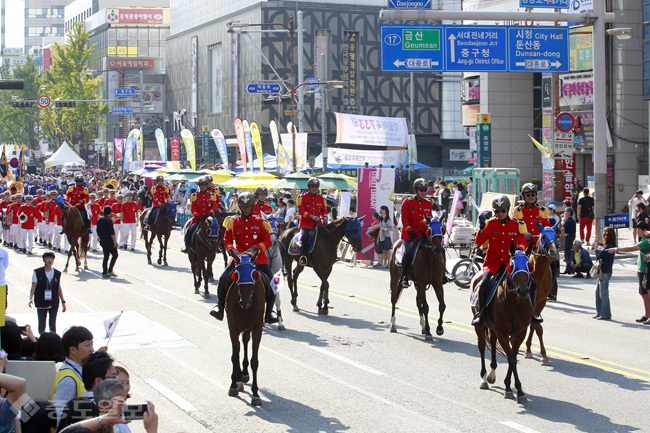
(185, 176)
(292, 181)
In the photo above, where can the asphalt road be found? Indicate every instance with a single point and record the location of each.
(345, 371)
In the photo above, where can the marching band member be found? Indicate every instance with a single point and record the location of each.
(15, 227)
(51, 216)
(116, 216)
(27, 216)
(109, 197)
(129, 220)
(95, 214)
(41, 206)
(313, 211)
(57, 221)
(4, 205)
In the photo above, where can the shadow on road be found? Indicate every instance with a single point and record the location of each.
(346, 321)
(588, 372)
(295, 416)
(296, 335)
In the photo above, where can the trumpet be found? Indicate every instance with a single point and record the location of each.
(22, 218)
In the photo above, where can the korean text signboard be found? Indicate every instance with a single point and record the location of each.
(619, 221)
(484, 140)
(551, 4)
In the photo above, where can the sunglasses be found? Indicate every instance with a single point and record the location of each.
(421, 189)
(501, 210)
(530, 194)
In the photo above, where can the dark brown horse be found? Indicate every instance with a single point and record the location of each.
(245, 306)
(322, 258)
(161, 229)
(202, 252)
(77, 235)
(543, 253)
(507, 317)
(428, 270)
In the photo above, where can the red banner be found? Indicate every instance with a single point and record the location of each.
(241, 140)
(176, 149)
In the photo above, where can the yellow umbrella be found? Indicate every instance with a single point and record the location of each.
(250, 180)
(220, 176)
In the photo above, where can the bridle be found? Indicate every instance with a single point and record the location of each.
(519, 262)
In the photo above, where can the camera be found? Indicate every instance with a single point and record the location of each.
(132, 412)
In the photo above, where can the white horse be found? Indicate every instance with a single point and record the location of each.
(275, 262)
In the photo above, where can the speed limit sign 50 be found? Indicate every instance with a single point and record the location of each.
(44, 101)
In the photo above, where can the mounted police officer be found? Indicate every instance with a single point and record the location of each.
(78, 196)
(204, 204)
(312, 209)
(160, 194)
(260, 206)
(246, 233)
(414, 213)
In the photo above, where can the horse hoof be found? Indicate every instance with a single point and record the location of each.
(439, 330)
(296, 309)
(281, 327)
(256, 401)
(149, 261)
(528, 355)
(393, 328)
(240, 386)
(491, 377)
(165, 263)
(197, 292)
(428, 337)
(323, 311)
(233, 392)
(508, 395)
(207, 295)
(521, 399)
(159, 262)
(244, 379)
(484, 385)
(545, 362)
(86, 268)
(65, 271)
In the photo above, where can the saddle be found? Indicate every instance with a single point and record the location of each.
(294, 246)
(399, 254)
(494, 283)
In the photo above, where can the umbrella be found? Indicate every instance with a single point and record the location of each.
(220, 176)
(337, 181)
(185, 176)
(292, 181)
(250, 180)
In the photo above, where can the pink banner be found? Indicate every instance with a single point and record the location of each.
(241, 140)
(119, 145)
(375, 188)
(176, 149)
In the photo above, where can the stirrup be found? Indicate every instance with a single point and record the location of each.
(217, 314)
(302, 260)
(404, 282)
(478, 320)
(270, 319)
(536, 318)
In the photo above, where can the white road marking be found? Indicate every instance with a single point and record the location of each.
(171, 395)
(346, 360)
(518, 427)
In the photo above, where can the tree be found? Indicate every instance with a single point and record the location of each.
(67, 80)
(20, 125)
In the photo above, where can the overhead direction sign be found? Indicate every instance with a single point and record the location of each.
(409, 48)
(409, 4)
(551, 4)
(122, 110)
(476, 48)
(263, 88)
(565, 121)
(538, 49)
(125, 93)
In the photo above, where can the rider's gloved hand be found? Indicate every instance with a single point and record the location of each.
(315, 218)
(481, 221)
(413, 235)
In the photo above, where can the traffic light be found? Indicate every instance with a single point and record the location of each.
(11, 84)
(22, 104)
(66, 103)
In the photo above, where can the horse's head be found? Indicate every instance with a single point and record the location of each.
(435, 234)
(212, 227)
(170, 210)
(519, 272)
(353, 230)
(246, 277)
(547, 243)
(60, 201)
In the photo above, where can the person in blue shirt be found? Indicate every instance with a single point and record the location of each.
(569, 232)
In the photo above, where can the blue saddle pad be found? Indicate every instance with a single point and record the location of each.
(494, 283)
(295, 250)
(399, 255)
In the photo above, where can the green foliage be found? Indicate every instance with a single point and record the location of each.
(20, 125)
(537, 182)
(68, 80)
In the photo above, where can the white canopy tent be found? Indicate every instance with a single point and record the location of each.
(62, 155)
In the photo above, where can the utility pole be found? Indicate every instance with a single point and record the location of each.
(323, 112)
(141, 117)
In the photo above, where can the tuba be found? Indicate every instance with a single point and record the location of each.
(22, 218)
(111, 184)
(16, 188)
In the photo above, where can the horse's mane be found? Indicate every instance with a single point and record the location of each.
(336, 223)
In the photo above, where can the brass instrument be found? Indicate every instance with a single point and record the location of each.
(111, 184)
(22, 218)
(5, 219)
(16, 188)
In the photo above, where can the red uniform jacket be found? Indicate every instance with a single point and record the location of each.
(160, 195)
(203, 203)
(499, 237)
(96, 211)
(100, 202)
(14, 212)
(267, 209)
(31, 213)
(242, 233)
(531, 215)
(412, 214)
(56, 213)
(308, 206)
(77, 194)
(109, 202)
(41, 208)
(129, 212)
(51, 209)
(117, 208)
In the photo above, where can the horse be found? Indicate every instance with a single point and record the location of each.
(428, 270)
(161, 228)
(543, 254)
(274, 254)
(77, 235)
(507, 317)
(202, 252)
(245, 306)
(221, 217)
(322, 258)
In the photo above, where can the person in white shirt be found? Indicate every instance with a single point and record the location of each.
(635, 200)
(290, 216)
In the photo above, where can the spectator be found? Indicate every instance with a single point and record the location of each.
(15, 388)
(553, 217)
(641, 214)
(108, 390)
(46, 292)
(580, 261)
(97, 366)
(4, 264)
(43, 420)
(384, 243)
(280, 215)
(49, 348)
(12, 341)
(106, 423)
(290, 217)
(586, 215)
(643, 247)
(108, 242)
(124, 379)
(569, 234)
(576, 190)
(606, 256)
(632, 205)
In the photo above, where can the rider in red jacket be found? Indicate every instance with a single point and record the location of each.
(260, 207)
(414, 213)
(312, 209)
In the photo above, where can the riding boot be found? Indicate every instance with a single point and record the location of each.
(482, 295)
(270, 302)
(221, 300)
(404, 279)
(536, 317)
(62, 219)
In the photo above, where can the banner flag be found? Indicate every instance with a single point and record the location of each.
(111, 324)
(188, 140)
(275, 137)
(241, 141)
(249, 143)
(131, 140)
(3, 163)
(371, 130)
(21, 161)
(119, 145)
(220, 142)
(257, 143)
(162, 144)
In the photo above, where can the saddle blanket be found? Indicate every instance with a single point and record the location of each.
(494, 283)
(294, 246)
(399, 254)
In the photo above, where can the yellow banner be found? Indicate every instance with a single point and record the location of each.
(257, 144)
(188, 140)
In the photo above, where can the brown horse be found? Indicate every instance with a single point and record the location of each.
(202, 253)
(322, 258)
(543, 254)
(245, 306)
(77, 235)
(428, 270)
(507, 317)
(161, 229)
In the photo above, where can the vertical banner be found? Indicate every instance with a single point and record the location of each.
(195, 75)
(375, 189)
(162, 144)
(484, 140)
(220, 142)
(301, 150)
(188, 140)
(249, 144)
(21, 163)
(412, 150)
(321, 46)
(176, 149)
(547, 179)
(350, 71)
(205, 141)
(216, 78)
(450, 217)
(257, 143)
(3, 163)
(611, 205)
(119, 147)
(241, 141)
(141, 145)
(569, 172)
(131, 141)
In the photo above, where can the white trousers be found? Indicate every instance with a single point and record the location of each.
(14, 234)
(94, 236)
(56, 243)
(49, 231)
(5, 235)
(128, 229)
(42, 230)
(26, 236)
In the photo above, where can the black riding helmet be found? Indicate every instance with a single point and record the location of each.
(78, 178)
(419, 183)
(313, 181)
(245, 199)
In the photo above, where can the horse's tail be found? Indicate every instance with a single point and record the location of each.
(499, 348)
(399, 290)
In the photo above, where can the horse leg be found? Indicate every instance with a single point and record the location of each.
(504, 341)
(516, 342)
(165, 253)
(395, 290)
(278, 310)
(234, 358)
(66, 263)
(529, 342)
(296, 272)
(208, 276)
(542, 350)
(147, 244)
(323, 297)
(245, 377)
(257, 337)
(492, 375)
(423, 309)
(160, 246)
(440, 294)
(480, 334)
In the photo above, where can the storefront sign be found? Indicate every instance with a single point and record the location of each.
(117, 63)
(484, 140)
(371, 130)
(351, 71)
(360, 157)
(569, 173)
(581, 49)
(134, 16)
(576, 90)
(584, 128)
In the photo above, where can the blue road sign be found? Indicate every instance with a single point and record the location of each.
(476, 49)
(125, 93)
(122, 110)
(619, 221)
(406, 48)
(312, 83)
(551, 4)
(263, 88)
(409, 4)
(538, 49)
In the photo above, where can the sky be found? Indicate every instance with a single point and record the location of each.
(15, 22)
